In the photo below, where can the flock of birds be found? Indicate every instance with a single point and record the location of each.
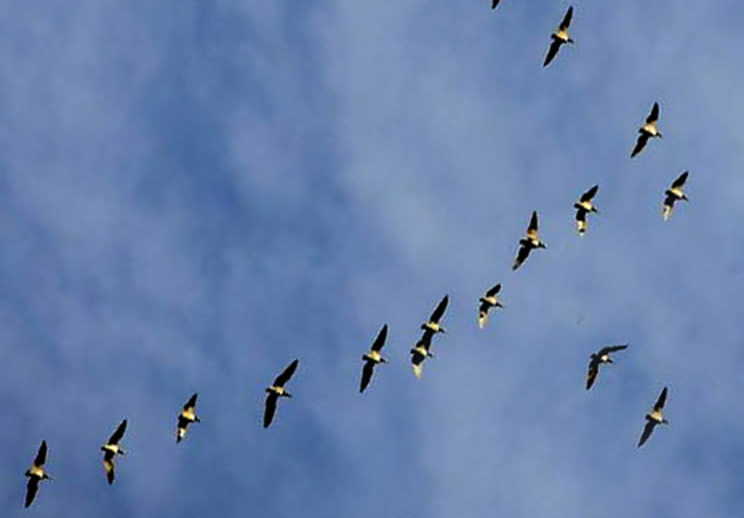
(422, 350)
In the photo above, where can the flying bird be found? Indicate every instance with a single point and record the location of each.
(433, 326)
(673, 194)
(111, 449)
(583, 207)
(373, 357)
(420, 353)
(36, 473)
(276, 391)
(528, 243)
(655, 417)
(559, 37)
(488, 301)
(186, 417)
(599, 358)
(647, 131)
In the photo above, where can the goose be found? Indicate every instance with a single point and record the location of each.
(276, 391)
(655, 417)
(673, 194)
(599, 358)
(528, 243)
(111, 449)
(648, 130)
(559, 37)
(373, 357)
(420, 353)
(433, 326)
(36, 473)
(186, 417)
(583, 207)
(488, 301)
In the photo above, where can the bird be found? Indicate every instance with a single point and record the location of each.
(528, 243)
(432, 325)
(648, 130)
(186, 417)
(420, 353)
(276, 391)
(600, 357)
(655, 417)
(495, 4)
(583, 207)
(36, 473)
(488, 301)
(559, 37)
(373, 357)
(673, 194)
(111, 449)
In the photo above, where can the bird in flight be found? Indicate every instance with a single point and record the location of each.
(600, 358)
(111, 449)
(186, 417)
(420, 353)
(673, 194)
(647, 131)
(488, 301)
(36, 473)
(528, 243)
(373, 357)
(276, 391)
(583, 207)
(654, 418)
(560, 37)
(433, 326)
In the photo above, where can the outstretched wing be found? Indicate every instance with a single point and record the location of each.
(522, 254)
(118, 433)
(380, 340)
(566, 19)
(588, 195)
(367, 370)
(662, 400)
(552, 51)
(439, 310)
(680, 181)
(495, 4)
(270, 409)
(108, 465)
(41, 456)
(591, 375)
(611, 349)
(640, 144)
(285, 376)
(191, 403)
(654, 115)
(494, 291)
(31, 488)
(647, 431)
(532, 228)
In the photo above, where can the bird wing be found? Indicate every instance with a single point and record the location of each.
(680, 181)
(493, 291)
(533, 228)
(495, 4)
(270, 409)
(439, 310)
(591, 375)
(31, 488)
(588, 195)
(647, 431)
(118, 433)
(640, 144)
(661, 401)
(380, 340)
(611, 349)
(286, 374)
(41, 456)
(367, 370)
(654, 115)
(482, 315)
(566, 19)
(191, 403)
(522, 254)
(108, 465)
(552, 51)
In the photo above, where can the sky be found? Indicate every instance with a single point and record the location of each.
(196, 193)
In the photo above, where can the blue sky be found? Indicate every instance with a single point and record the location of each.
(196, 193)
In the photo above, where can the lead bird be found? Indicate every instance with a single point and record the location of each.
(673, 194)
(373, 357)
(560, 37)
(420, 353)
(529, 242)
(648, 130)
(583, 207)
(111, 449)
(186, 417)
(488, 301)
(654, 418)
(36, 473)
(276, 391)
(599, 358)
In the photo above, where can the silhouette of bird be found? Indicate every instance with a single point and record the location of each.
(111, 449)
(276, 391)
(673, 194)
(373, 357)
(647, 131)
(528, 243)
(186, 417)
(599, 358)
(559, 37)
(36, 473)
(655, 417)
(583, 207)
(488, 301)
